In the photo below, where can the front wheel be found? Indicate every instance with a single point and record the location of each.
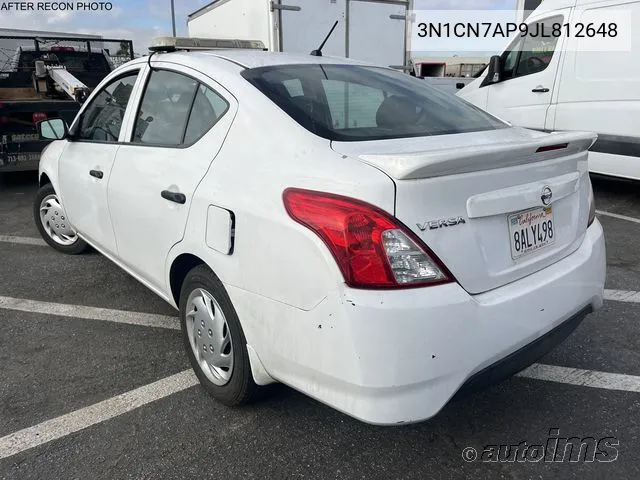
(214, 340)
(53, 224)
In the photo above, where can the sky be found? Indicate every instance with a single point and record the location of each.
(141, 20)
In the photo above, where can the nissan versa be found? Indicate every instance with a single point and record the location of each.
(338, 227)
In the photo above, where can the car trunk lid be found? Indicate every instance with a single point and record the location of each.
(494, 206)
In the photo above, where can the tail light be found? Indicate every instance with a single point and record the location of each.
(372, 248)
(38, 117)
(592, 206)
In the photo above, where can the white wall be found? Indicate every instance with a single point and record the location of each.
(244, 19)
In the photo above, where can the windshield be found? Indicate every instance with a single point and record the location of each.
(354, 103)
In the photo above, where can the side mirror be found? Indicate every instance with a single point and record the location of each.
(459, 85)
(494, 71)
(53, 129)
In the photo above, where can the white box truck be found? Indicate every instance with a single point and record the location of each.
(376, 31)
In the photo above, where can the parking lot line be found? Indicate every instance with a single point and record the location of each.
(622, 296)
(616, 215)
(90, 313)
(23, 240)
(584, 378)
(77, 420)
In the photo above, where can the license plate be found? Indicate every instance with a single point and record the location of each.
(531, 230)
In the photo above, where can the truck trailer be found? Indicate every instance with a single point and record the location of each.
(376, 31)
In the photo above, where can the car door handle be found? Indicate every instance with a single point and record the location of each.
(173, 196)
(540, 90)
(96, 173)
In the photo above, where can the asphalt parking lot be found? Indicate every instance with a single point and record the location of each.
(95, 384)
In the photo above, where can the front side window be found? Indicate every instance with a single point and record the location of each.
(510, 60)
(102, 119)
(532, 53)
(355, 103)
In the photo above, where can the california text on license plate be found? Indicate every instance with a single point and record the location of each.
(531, 230)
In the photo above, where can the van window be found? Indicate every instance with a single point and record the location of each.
(533, 53)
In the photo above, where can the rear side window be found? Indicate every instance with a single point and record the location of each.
(207, 109)
(355, 103)
(165, 108)
(176, 110)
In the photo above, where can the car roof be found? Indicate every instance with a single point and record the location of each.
(252, 58)
(259, 58)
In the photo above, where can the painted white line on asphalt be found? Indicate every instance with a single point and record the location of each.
(616, 215)
(583, 378)
(90, 313)
(77, 420)
(622, 296)
(23, 240)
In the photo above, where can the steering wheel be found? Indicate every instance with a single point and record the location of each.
(113, 120)
(534, 63)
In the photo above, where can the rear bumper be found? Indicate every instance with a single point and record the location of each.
(523, 357)
(399, 357)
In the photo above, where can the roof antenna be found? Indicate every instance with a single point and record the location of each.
(318, 52)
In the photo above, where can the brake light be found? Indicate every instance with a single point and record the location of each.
(38, 117)
(372, 248)
(62, 49)
(548, 148)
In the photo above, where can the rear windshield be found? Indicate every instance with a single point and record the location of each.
(73, 61)
(354, 103)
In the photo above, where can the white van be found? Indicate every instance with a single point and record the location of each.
(552, 84)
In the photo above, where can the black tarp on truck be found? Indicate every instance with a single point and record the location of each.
(23, 101)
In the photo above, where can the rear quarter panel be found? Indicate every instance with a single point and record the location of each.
(264, 153)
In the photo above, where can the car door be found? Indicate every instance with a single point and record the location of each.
(85, 165)
(530, 66)
(179, 127)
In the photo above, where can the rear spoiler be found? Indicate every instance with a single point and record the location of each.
(449, 161)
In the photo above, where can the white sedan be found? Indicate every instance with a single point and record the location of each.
(341, 228)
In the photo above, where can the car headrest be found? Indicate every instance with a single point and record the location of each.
(395, 110)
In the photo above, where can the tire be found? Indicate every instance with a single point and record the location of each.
(206, 336)
(50, 224)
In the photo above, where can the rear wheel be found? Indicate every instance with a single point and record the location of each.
(214, 340)
(53, 224)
